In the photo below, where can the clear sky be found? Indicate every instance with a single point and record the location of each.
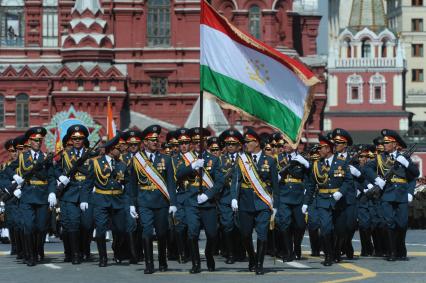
(322, 39)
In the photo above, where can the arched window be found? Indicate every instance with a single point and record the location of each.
(158, 23)
(366, 49)
(1, 111)
(22, 111)
(354, 86)
(377, 89)
(12, 23)
(254, 21)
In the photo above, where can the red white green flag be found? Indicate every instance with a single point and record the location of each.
(252, 77)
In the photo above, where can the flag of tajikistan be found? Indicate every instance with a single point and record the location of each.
(252, 77)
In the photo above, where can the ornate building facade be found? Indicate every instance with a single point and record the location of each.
(143, 54)
(365, 74)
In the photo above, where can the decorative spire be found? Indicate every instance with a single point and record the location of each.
(368, 14)
(92, 5)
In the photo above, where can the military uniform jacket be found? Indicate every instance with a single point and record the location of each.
(350, 196)
(110, 188)
(227, 168)
(80, 185)
(291, 186)
(147, 195)
(336, 178)
(37, 189)
(186, 173)
(401, 183)
(181, 186)
(242, 190)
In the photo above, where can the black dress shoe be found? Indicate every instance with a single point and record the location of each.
(163, 268)
(259, 270)
(195, 269)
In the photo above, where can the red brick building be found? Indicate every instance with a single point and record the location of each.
(144, 55)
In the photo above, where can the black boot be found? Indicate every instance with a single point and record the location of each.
(132, 247)
(209, 252)
(195, 256)
(248, 245)
(40, 238)
(29, 250)
(363, 239)
(298, 238)
(180, 245)
(369, 244)
(327, 244)
(400, 243)
(12, 237)
(149, 255)
(392, 245)
(75, 247)
(85, 241)
(103, 259)
(260, 255)
(21, 246)
(230, 247)
(338, 244)
(349, 249)
(162, 256)
(286, 240)
(314, 239)
(67, 246)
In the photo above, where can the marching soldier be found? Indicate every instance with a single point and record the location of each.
(155, 196)
(313, 222)
(10, 206)
(329, 179)
(111, 196)
(346, 220)
(379, 230)
(200, 206)
(133, 139)
(233, 141)
(397, 191)
(182, 193)
(36, 195)
(73, 201)
(365, 206)
(255, 197)
(291, 218)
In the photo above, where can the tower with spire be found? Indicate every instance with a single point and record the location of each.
(365, 78)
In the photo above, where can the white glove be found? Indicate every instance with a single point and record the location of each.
(1, 207)
(410, 197)
(380, 182)
(299, 158)
(17, 193)
(52, 200)
(234, 205)
(18, 179)
(304, 208)
(64, 180)
(403, 161)
(133, 212)
(197, 164)
(358, 192)
(337, 196)
(355, 172)
(172, 210)
(202, 198)
(84, 206)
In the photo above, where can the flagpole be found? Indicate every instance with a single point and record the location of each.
(200, 189)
